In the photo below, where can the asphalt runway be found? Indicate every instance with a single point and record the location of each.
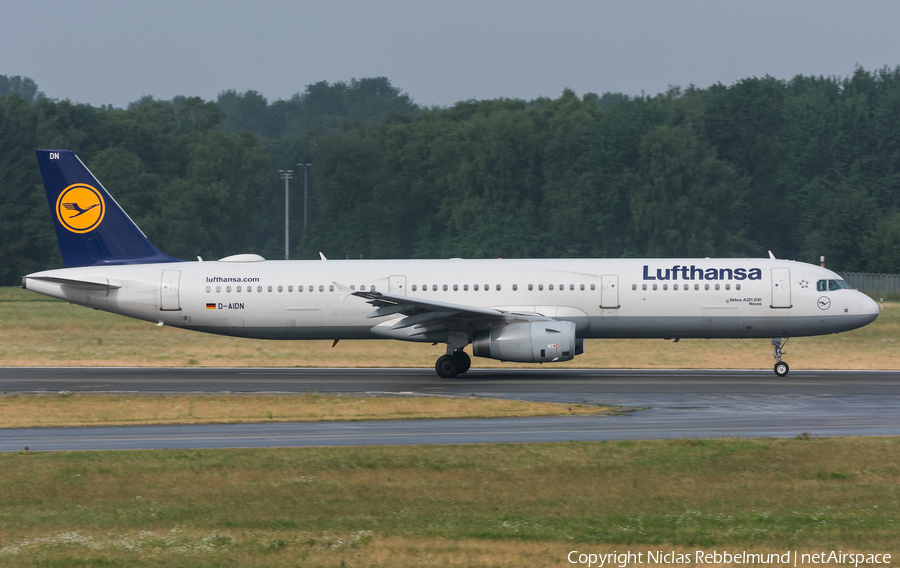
(673, 403)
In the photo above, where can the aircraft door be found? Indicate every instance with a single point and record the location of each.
(609, 291)
(398, 285)
(781, 288)
(303, 323)
(168, 291)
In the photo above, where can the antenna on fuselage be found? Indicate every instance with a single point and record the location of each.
(322, 256)
(772, 256)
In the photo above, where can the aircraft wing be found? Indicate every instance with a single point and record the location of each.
(428, 315)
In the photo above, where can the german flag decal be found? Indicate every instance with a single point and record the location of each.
(210, 306)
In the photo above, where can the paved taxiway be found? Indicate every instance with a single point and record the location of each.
(677, 403)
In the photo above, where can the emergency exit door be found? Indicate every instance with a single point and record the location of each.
(398, 285)
(609, 291)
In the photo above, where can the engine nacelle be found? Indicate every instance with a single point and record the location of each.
(528, 342)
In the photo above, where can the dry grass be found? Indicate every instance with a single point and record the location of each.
(21, 411)
(287, 548)
(503, 505)
(51, 333)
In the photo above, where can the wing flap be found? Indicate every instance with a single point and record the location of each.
(425, 316)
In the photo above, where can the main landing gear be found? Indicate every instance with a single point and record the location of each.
(781, 368)
(450, 365)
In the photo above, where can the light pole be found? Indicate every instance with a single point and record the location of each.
(305, 180)
(286, 175)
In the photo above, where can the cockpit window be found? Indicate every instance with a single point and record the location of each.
(832, 285)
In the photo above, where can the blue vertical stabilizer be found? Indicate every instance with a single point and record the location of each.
(90, 226)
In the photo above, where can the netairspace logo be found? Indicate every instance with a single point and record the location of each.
(790, 558)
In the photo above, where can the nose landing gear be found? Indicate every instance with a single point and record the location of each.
(781, 368)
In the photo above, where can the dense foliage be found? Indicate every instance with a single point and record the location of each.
(805, 167)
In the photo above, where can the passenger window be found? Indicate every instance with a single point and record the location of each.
(372, 288)
(228, 288)
(550, 287)
(515, 287)
(445, 287)
(643, 287)
(633, 286)
(821, 285)
(487, 287)
(737, 286)
(280, 289)
(530, 287)
(321, 288)
(434, 287)
(717, 286)
(259, 289)
(465, 287)
(592, 286)
(238, 288)
(299, 288)
(674, 286)
(665, 286)
(475, 287)
(728, 286)
(208, 289)
(218, 289)
(290, 288)
(414, 287)
(571, 286)
(706, 286)
(498, 287)
(541, 287)
(696, 286)
(654, 287)
(456, 287)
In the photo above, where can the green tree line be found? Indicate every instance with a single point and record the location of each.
(803, 167)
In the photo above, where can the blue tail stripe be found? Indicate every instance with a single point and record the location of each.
(90, 226)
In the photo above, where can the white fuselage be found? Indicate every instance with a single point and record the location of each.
(604, 298)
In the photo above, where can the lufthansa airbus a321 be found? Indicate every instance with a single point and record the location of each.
(533, 311)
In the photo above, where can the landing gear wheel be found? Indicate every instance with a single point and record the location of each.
(447, 366)
(463, 361)
(781, 368)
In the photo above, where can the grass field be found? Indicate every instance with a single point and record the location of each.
(24, 411)
(45, 332)
(480, 505)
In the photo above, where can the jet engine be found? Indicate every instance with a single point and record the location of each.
(529, 342)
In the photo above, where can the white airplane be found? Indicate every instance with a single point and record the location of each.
(533, 311)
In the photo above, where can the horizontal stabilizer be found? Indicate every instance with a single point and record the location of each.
(83, 284)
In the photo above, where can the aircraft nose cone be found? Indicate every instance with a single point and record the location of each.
(868, 309)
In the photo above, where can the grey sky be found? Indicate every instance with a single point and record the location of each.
(114, 52)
